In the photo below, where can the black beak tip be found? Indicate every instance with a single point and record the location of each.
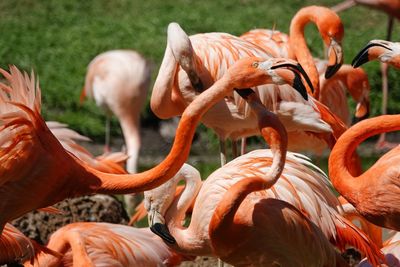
(299, 86)
(331, 70)
(162, 231)
(245, 92)
(360, 59)
(366, 116)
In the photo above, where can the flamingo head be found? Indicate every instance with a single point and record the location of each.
(254, 71)
(384, 51)
(331, 29)
(157, 201)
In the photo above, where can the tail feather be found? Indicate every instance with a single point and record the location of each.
(348, 234)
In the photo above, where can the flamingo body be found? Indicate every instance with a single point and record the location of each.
(106, 244)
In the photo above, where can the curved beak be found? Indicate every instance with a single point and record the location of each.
(158, 226)
(371, 51)
(292, 73)
(335, 58)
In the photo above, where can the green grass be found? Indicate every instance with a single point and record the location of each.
(58, 38)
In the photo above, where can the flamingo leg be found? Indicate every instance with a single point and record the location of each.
(107, 135)
(222, 151)
(243, 146)
(382, 144)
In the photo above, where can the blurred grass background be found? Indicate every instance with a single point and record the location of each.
(58, 38)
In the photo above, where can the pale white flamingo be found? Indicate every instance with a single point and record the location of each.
(118, 80)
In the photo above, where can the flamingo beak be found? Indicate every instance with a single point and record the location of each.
(362, 110)
(364, 55)
(158, 226)
(335, 58)
(295, 79)
(162, 231)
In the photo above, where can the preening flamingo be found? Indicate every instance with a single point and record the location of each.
(296, 216)
(192, 64)
(333, 93)
(392, 8)
(375, 193)
(295, 46)
(106, 244)
(36, 171)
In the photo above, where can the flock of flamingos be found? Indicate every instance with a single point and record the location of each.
(268, 207)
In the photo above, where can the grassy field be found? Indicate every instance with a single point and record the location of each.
(57, 39)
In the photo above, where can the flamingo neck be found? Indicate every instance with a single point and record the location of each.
(186, 239)
(340, 158)
(298, 48)
(222, 220)
(105, 183)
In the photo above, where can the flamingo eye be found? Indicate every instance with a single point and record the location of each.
(255, 64)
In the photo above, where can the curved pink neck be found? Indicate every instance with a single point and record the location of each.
(340, 157)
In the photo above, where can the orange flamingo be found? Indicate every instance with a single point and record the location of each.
(118, 80)
(299, 204)
(375, 193)
(333, 93)
(392, 8)
(36, 171)
(106, 244)
(192, 64)
(294, 46)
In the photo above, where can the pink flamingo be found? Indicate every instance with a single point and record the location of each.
(106, 244)
(374, 193)
(36, 171)
(295, 215)
(189, 67)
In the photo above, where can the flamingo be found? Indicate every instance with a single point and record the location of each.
(375, 193)
(294, 46)
(328, 91)
(192, 64)
(384, 51)
(36, 171)
(106, 244)
(333, 93)
(392, 9)
(118, 80)
(296, 215)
